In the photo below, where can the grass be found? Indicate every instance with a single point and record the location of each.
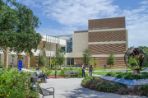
(100, 73)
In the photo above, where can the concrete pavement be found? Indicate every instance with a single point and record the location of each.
(71, 88)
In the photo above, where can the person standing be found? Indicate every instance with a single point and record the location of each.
(90, 70)
(83, 70)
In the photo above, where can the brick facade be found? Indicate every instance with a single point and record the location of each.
(107, 23)
(107, 49)
(102, 36)
(101, 61)
(106, 36)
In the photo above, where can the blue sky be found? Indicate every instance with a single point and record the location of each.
(61, 17)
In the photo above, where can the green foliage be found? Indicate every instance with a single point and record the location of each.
(101, 85)
(111, 60)
(14, 84)
(62, 71)
(86, 57)
(17, 27)
(59, 59)
(93, 62)
(46, 71)
(129, 75)
(133, 63)
(145, 50)
(43, 60)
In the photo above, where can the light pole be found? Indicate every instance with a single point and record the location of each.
(56, 41)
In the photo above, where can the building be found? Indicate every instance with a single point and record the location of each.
(103, 37)
(49, 43)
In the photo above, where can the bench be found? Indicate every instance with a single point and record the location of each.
(38, 78)
(71, 74)
(46, 91)
(43, 91)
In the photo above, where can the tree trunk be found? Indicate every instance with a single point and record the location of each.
(5, 57)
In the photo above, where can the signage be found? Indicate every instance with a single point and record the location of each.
(20, 65)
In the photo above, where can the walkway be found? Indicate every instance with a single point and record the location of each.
(70, 88)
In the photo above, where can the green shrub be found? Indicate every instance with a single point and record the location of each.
(14, 84)
(86, 82)
(144, 90)
(46, 70)
(128, 75)
(101, 85)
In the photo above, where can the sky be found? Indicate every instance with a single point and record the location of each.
(62, 17)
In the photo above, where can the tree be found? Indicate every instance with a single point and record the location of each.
(145, 50)
(86, 57)
(111, 60)
(17, 28)
(93, 62)
(8, 21)
(43, 60)
(59, 57)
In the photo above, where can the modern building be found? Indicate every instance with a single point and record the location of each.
(103, 37)
(49, 43)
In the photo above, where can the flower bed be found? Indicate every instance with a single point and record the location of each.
(102, 85)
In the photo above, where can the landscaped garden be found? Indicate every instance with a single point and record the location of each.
(128, 82)
(102, 85)
(63, 72)
(128, 75)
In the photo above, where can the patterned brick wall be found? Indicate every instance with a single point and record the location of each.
(101, 61)
(119, 61)
(107, 49)
(98, 40)
(107, 36)
(118, 22)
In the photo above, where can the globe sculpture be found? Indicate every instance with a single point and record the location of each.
(134, 58)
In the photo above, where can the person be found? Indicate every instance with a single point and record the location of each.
(40, 74)
(83, 70)
(90, 70)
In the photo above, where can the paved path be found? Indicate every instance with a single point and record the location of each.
(71, 88)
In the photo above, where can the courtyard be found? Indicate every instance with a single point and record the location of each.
(78, 49)
(71, 88)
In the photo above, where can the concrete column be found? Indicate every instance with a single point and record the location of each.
(27, 60)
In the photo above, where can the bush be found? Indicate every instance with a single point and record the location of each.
(14, 84)
(101, 85)
(144, 90)
(46, 71)
(128, 75)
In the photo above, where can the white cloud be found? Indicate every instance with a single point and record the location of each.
(77, 12)
(53, 31)
(74, 14)
(137, 22)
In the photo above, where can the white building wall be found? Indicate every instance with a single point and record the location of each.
(80, 42)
